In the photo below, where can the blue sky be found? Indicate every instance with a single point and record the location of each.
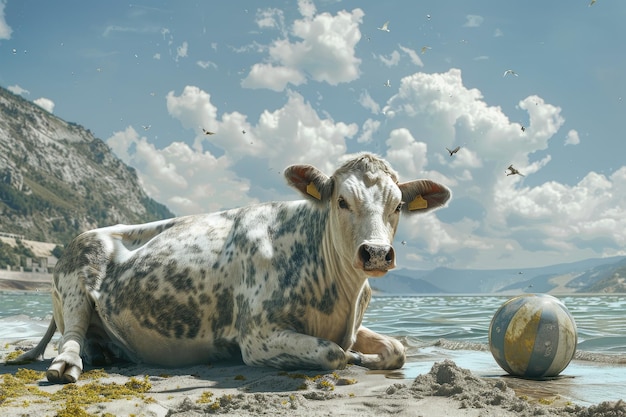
(305, 81)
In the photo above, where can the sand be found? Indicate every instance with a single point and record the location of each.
(237, 389)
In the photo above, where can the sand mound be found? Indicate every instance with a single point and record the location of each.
(446, 379)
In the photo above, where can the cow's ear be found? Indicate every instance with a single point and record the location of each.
(311, 182)
(423, 195)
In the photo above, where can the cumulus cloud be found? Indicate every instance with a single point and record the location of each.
(5, 29)
(45, 103)
(406, 154)
(311, 139)
(186, 180)
(572, 138)
(272, 77)
(572, 217)
(492, 219)
(319, 46)
(512, 219)
(190, 179)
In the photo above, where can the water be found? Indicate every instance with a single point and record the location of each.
(441, 327)
(600, 319)
(421, 320)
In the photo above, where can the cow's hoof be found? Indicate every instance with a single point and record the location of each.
(58, 373)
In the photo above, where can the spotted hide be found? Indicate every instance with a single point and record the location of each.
(279, 284)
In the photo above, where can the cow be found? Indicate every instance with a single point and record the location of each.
(277, 284)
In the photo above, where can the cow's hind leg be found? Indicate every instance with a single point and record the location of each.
(72, 313)
(377, 351)
(290, 350)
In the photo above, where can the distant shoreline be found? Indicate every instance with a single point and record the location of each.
(25, 281)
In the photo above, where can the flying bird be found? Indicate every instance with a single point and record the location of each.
(510, 72)
(425, 48)
(243, 131)
(385, 26)
(592, 3)
(387, 84)
(513, 171)
(207, 132)
(453, 151)
(523, 129)
(146, 127)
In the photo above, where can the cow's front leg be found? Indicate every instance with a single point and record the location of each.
(290, 350)
(72, 316)
(377, 351)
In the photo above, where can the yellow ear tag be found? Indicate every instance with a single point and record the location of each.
(418, 203)
(311, 190)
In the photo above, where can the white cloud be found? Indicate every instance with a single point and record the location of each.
(16, 89)
(571, 216)
(113, 29)
(182, 50)
(440, 106)
(177, 175)
(45, 103)
(367, 131)
(514, 221)
(271, 19)
(572, 138)
(189, 179)
(368, 102)
(5, 29)
(296, 134)
(325, 50)
(391, 61)
(473, 21)
(272, 77)
(206, 64)
(407, 155)
(415, 59)
(306, 8)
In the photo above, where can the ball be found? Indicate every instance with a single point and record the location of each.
(533, 336)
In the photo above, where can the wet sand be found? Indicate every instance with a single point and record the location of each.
(432, 384)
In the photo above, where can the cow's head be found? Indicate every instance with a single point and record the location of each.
(365, 201)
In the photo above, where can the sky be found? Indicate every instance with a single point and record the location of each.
(313, 81)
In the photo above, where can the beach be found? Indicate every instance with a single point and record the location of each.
(233, 388)
(440, 378)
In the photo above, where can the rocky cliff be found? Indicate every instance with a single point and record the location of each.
(57, 179)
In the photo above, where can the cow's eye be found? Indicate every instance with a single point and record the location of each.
(343, 203)
(399, 207)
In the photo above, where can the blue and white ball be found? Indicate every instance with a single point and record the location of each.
(533, 336)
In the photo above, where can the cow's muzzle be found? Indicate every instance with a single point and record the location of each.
(375, 259)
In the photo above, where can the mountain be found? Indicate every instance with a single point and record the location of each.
(601, 275)
(57, 179)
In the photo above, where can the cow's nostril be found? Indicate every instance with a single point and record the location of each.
(364, 254)
(390, 255)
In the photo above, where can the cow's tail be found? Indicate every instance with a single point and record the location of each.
(37, 352)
